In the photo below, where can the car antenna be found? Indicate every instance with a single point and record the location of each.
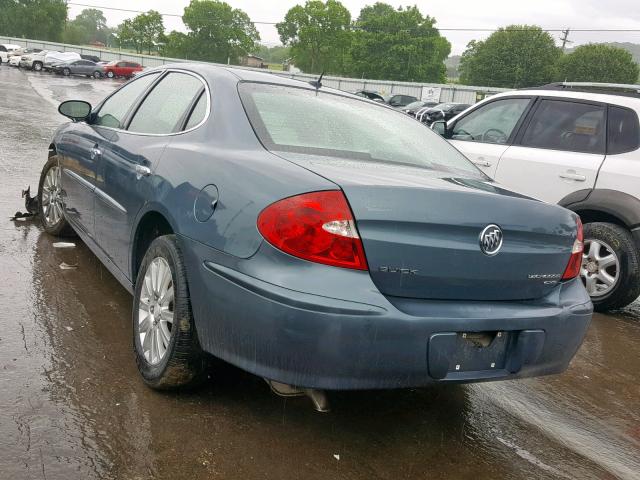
(317, 83)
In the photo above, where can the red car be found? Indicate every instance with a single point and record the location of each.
(121, 69)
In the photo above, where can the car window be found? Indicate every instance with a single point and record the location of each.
(329, 125)
(166, 104)
(198, 112)
(491, 123)
(623, 130)
(565, 125)
(115, 108)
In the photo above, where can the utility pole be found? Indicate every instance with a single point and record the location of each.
(565, 38)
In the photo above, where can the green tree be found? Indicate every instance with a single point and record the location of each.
(275, 54)
(217, 32)
(598, 63)
(513, 57)
(398, 44)
(92, 20)
(75, 34)
(176, 45)
(38, 19)
(319, 35)
(143, 32)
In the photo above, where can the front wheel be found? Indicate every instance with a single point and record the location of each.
(50, 205)
(66, 72)
(610, 266)
(165, 341)
(110, 74)
(37, 66)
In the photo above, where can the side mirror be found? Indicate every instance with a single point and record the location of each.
(440, 127)
(76, 110)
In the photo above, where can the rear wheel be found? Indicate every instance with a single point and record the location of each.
(66, 72)
(97, 74)
(50, 205)
(110, 74)
(610, 266)
(165, 341)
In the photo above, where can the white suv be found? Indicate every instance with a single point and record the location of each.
(577, 145)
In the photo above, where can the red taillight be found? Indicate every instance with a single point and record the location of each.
(317, 226)
(575, 262)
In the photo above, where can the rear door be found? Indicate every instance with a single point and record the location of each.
(129, 157)
(559, 150)
(485, 133)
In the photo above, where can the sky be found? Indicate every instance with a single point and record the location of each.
(552, 14)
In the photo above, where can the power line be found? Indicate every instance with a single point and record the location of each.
(442, 29)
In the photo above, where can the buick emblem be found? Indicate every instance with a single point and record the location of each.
(491, 240)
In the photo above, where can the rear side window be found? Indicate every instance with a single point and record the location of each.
(114, 110)
(623, 130)
(167, 104)
(198, 113)
(565, 125)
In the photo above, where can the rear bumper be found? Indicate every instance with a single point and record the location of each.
(317, 341)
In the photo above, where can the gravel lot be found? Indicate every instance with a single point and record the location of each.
(72, 405)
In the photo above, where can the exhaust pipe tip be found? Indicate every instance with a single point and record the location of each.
(318, 397)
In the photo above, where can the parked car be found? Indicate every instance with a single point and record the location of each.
(121, 69)
(414, 107)
(14, 61)
(371, 95)
(78, 67)
(92, 58)
(399, 100)
(34, 60)
(364, 252)
(576, 145)
(7, 50)
(442, 111)
(52, 59)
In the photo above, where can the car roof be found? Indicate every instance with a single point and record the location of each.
(578, 95)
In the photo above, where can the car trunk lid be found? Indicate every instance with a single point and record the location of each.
(421, 230)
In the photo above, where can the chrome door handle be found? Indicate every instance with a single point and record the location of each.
(573, 176)
(142, 171)
(94, 152)
(482, 163)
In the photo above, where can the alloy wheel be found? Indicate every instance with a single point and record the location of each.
(600, 267)
(51, 197)
(156, 310)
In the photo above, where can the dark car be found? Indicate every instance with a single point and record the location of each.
(78, 67)
(310, 237)
(371, 95)
(418, 105)
(400, 100)
(442, 111)
(93, 58)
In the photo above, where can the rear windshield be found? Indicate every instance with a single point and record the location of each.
(321, 123)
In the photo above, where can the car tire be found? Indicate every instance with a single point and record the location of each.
(616, 240)
(66, 72)
(37, 66)
(182, 362)
(50, 207)
(110, 74)
(97, 74)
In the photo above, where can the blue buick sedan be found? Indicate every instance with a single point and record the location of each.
(311, 237)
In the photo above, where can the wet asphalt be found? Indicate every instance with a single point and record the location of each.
(72, 405)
